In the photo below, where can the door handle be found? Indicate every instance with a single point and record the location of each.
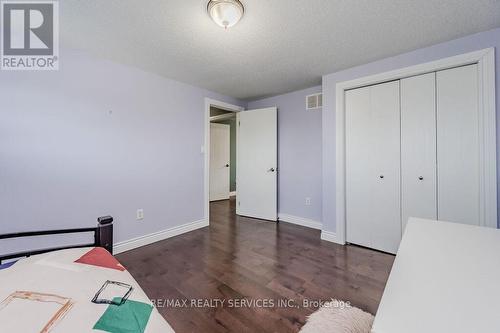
(271, 170)
(381, 176)
(420, 178)
(227, 165)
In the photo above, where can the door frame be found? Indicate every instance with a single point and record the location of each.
(206, 146)
(485, 59)
(214, 126)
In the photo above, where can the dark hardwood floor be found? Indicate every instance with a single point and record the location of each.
(242, 258)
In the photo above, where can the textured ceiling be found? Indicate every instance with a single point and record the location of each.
(279, 46)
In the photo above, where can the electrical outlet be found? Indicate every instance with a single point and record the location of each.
(140, 214)
(308, 201)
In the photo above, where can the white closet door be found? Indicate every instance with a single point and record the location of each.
(418, 148)
(458, 145)
(360, 176)
(386, 196)
(373, 166)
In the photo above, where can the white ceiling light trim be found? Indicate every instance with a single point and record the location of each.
(225, 13)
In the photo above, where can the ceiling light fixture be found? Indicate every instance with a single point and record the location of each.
(225, 13)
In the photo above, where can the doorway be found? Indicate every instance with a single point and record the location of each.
(222, 154)
(217, 111)
(252, 182)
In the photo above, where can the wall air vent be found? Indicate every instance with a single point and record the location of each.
(314, 102)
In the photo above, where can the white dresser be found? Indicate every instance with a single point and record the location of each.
(446, 278)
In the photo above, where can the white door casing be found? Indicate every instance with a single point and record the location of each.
(205, 149)
(220, 141)
(257, 164)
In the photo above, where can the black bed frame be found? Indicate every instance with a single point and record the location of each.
(103, 237)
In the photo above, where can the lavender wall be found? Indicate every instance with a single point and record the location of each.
(299, 161)
(448, 49)
(99, 138)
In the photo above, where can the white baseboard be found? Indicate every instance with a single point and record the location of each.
(232, 194)
(157, 236)
(300, 221)
(330, 237)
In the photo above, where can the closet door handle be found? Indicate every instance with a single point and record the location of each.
(381, 176)
(420, 178)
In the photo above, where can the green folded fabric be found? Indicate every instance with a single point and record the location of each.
(130, 317)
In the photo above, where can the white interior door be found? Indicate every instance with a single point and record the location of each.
(220, 140)
(458, 145)
(373, 166)
(256, 169)
(418, 148)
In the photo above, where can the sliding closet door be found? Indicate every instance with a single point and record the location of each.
(458, 145)
(373, 166)
(418, 148)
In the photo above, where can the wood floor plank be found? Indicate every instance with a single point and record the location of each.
(239, 259)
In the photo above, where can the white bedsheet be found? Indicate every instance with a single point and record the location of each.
(56, 273)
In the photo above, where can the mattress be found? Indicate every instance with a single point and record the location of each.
(53, 292)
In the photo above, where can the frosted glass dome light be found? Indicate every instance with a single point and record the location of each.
(225, 13)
